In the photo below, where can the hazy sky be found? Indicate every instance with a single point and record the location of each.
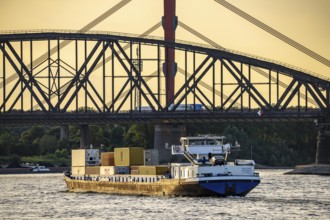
(305, 21)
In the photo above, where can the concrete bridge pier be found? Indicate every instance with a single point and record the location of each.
(84, 137)
(64, 132)
(323, 146)
(165, 136)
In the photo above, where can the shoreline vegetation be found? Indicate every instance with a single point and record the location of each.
(272, 144)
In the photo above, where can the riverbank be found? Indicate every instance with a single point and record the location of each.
(29, 170)
(311, 169)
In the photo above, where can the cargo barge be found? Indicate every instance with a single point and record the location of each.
(125, 172)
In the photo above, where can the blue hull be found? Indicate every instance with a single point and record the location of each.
(230, 187)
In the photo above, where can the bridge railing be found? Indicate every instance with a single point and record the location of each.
(150, 37)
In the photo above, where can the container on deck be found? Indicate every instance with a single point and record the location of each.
(151, 157)
(122, 170)
(107, 170)
(85, 157)
(92, 170)
(134, 172)
(129, 156)
(78, 170)
(107, 159)
(154, 170)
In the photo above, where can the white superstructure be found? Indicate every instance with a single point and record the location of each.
(208, 158)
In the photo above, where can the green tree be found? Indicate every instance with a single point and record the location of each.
(28, 136)
(47, 144)
(7, 141)
(139, 135)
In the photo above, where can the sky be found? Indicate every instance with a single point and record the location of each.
(305, 21)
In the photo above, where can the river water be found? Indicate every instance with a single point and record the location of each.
(44, 196)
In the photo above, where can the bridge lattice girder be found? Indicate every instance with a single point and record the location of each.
(100, 78)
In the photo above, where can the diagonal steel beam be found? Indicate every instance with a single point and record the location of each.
(230, 97)
(76, 78)
(289, 99)
(96, 93)
(186, 84)
(124, 99)
(260, 71)
(313, 95)
(195, 82)
(99, 65)
(22, 78)
(91, 98)
(207, 86)
(201, 101)
(31, 79)
(85, 78)
(120, 93)
(241, 83)
(139, 78)
(319, 93)
(84, 29)
(235, 100)
(249, 84)
(10, 94)
(204, 96)
(285, 93)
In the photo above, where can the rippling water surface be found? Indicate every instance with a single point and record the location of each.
(44, 196)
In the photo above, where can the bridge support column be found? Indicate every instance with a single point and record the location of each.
(323, 146)
(165, 136)
(84, 136)
(170, 22)
(64, 132)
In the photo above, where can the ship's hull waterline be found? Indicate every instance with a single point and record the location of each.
(165, 187)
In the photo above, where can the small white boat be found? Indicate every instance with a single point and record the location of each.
(40, 169)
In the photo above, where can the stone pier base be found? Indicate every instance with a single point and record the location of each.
(64, 132)
(311, 169)
(167, 135)
(323, 147)
(84, 137)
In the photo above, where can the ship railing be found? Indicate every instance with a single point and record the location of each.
(190, 157)
(121, 178)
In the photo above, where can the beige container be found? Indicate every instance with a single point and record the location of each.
(153, 170)
(76, 171)
(107, 159)
(135, 167)
(92, 170)
(134, 172)
(107, 170)
(78, 158)
(129, 156)
(85, 157)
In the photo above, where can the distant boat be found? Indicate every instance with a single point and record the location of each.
(40, 169)
(28, 165)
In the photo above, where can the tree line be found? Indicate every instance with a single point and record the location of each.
(268, 143)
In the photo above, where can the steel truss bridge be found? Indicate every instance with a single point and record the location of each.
(104, 77)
